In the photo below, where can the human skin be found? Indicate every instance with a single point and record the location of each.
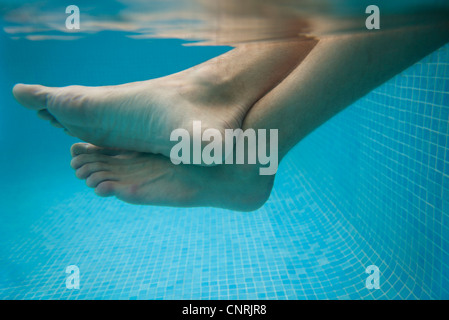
(140, 116)
(329, 76)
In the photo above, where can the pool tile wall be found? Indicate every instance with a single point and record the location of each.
(370, 187)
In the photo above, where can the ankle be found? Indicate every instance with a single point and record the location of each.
(210, 85)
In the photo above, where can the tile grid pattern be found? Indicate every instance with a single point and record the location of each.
(369, 187)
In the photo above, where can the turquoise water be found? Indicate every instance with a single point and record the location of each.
(370, 187)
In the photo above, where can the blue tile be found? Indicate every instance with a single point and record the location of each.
(368, 187)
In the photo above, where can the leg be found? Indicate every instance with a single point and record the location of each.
(336, 73)
(140, 116)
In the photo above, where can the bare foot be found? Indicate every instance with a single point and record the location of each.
(141, 116)
(149, 179)
(137, 116)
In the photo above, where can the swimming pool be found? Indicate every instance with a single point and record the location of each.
(370, 187)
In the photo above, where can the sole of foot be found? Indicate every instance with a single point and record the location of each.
(149, 179)
(138, 116)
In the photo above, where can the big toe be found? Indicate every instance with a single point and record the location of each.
(31, 96)
(80, 148)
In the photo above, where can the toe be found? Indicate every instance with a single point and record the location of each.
(87, 148)
(79, 148)
(106, 188)
(45, 115)
(31, 96)
(69, 133)
(98, 177)
(80, 160)
(89, 168)
(56, 124)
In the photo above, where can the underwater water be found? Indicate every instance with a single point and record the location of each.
(369, 187)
